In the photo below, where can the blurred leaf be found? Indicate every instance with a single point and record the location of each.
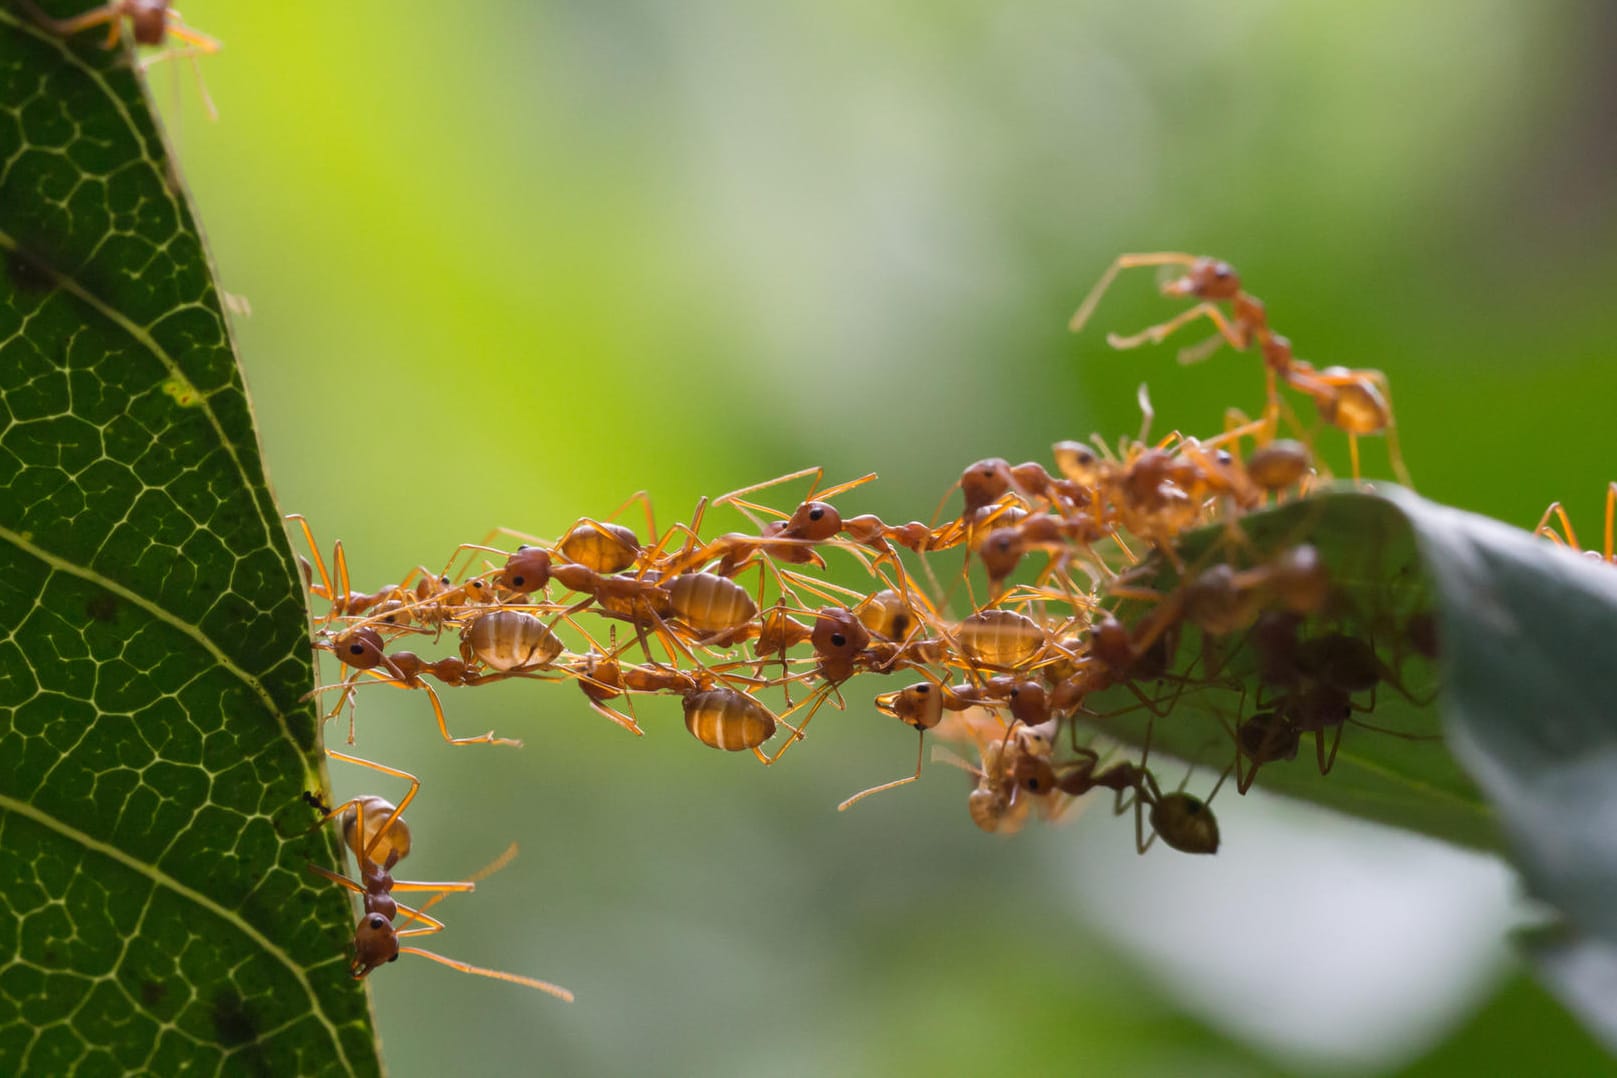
(1530, 633)
(153, 750)
(1527, 634)
(1407, 778)
(1521, 1030)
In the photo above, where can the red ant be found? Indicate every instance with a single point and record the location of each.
(1357, 402)
(379, 843)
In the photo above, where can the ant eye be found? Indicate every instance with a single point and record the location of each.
(516, 581)
(444, 580)
(378, 922)
(816, 514)
(395, 958)
(356, 649)
(838, 640)
(923, 689)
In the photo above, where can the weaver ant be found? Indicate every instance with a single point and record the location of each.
(379, 845)
(1356, 402)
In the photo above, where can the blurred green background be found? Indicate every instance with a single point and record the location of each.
(509, 263)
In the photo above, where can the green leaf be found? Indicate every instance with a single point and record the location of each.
(1530, 639)
(1380, 589)
(158, 911)
(1527, 637)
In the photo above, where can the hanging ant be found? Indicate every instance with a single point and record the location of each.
(380, 840)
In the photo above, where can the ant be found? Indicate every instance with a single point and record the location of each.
(1357, 402)
(378, 848)
(921, 706)
(363, 651)
(151, 22)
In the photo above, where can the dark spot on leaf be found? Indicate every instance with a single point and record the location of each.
(26, 275)
(104, 607)
(152, 993)
(233, 1023)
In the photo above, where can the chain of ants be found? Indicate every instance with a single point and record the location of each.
(715, 621)
(1025, 670)
(1025, 673)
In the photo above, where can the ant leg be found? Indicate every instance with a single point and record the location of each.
(819, 696)
(1611, 516)
(1326, 762)
(1196, 353)
(339, 566)
(1545, 531)
(919, 757)
(747, 509)
(841, 488)
(1122, 262)
(1395, 454)
(341, 881)
(110, 13)
(325, 591)
(443, 727)
(817, 473)
(499, 975)
(1158, 333)
(644, 498)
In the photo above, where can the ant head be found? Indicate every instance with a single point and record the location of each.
(148, 19)
(982, 483)
(360, 648)
(375, 942)
(1209, 278)
(526, 571)
(814, 521)
(1029, 703)
(1111, 642)
(1077, 462)
(1001, 552)
(838, 634)
(919, 705)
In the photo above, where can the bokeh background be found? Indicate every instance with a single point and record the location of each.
(510, 262)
